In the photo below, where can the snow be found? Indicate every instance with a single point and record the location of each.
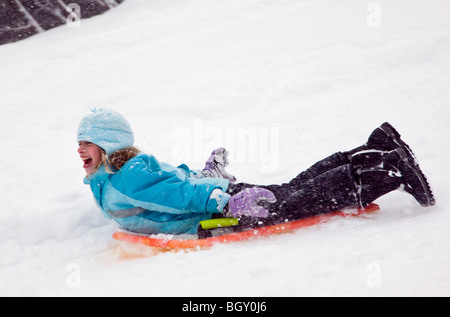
(302, 80)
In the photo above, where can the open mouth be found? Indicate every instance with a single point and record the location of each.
(87, 162)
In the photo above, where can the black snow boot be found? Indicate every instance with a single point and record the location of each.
(414, 179)
(384, 138)
(395, 169)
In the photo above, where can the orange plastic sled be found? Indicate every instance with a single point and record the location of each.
(177, 244)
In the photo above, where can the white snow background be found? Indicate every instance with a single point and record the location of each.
(309, 77)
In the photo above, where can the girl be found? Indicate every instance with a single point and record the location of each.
(147, 196)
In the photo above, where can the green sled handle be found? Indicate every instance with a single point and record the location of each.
(219, 223)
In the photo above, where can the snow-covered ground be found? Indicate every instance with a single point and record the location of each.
(303, 79)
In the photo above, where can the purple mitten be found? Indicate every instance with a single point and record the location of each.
(215, 165)
(245, 203)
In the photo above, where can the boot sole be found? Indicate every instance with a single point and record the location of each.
(419, 175)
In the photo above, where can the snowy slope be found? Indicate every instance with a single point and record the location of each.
(304, 78)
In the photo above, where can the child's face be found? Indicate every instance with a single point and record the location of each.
(91, 156)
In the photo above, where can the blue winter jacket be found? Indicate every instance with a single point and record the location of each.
(150, 197)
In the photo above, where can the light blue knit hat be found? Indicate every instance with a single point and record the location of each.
(106, 128)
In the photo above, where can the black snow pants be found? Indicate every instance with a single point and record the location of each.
(325, 187)
(328, 186)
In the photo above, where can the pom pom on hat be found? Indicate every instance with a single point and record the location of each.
(106, 128)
